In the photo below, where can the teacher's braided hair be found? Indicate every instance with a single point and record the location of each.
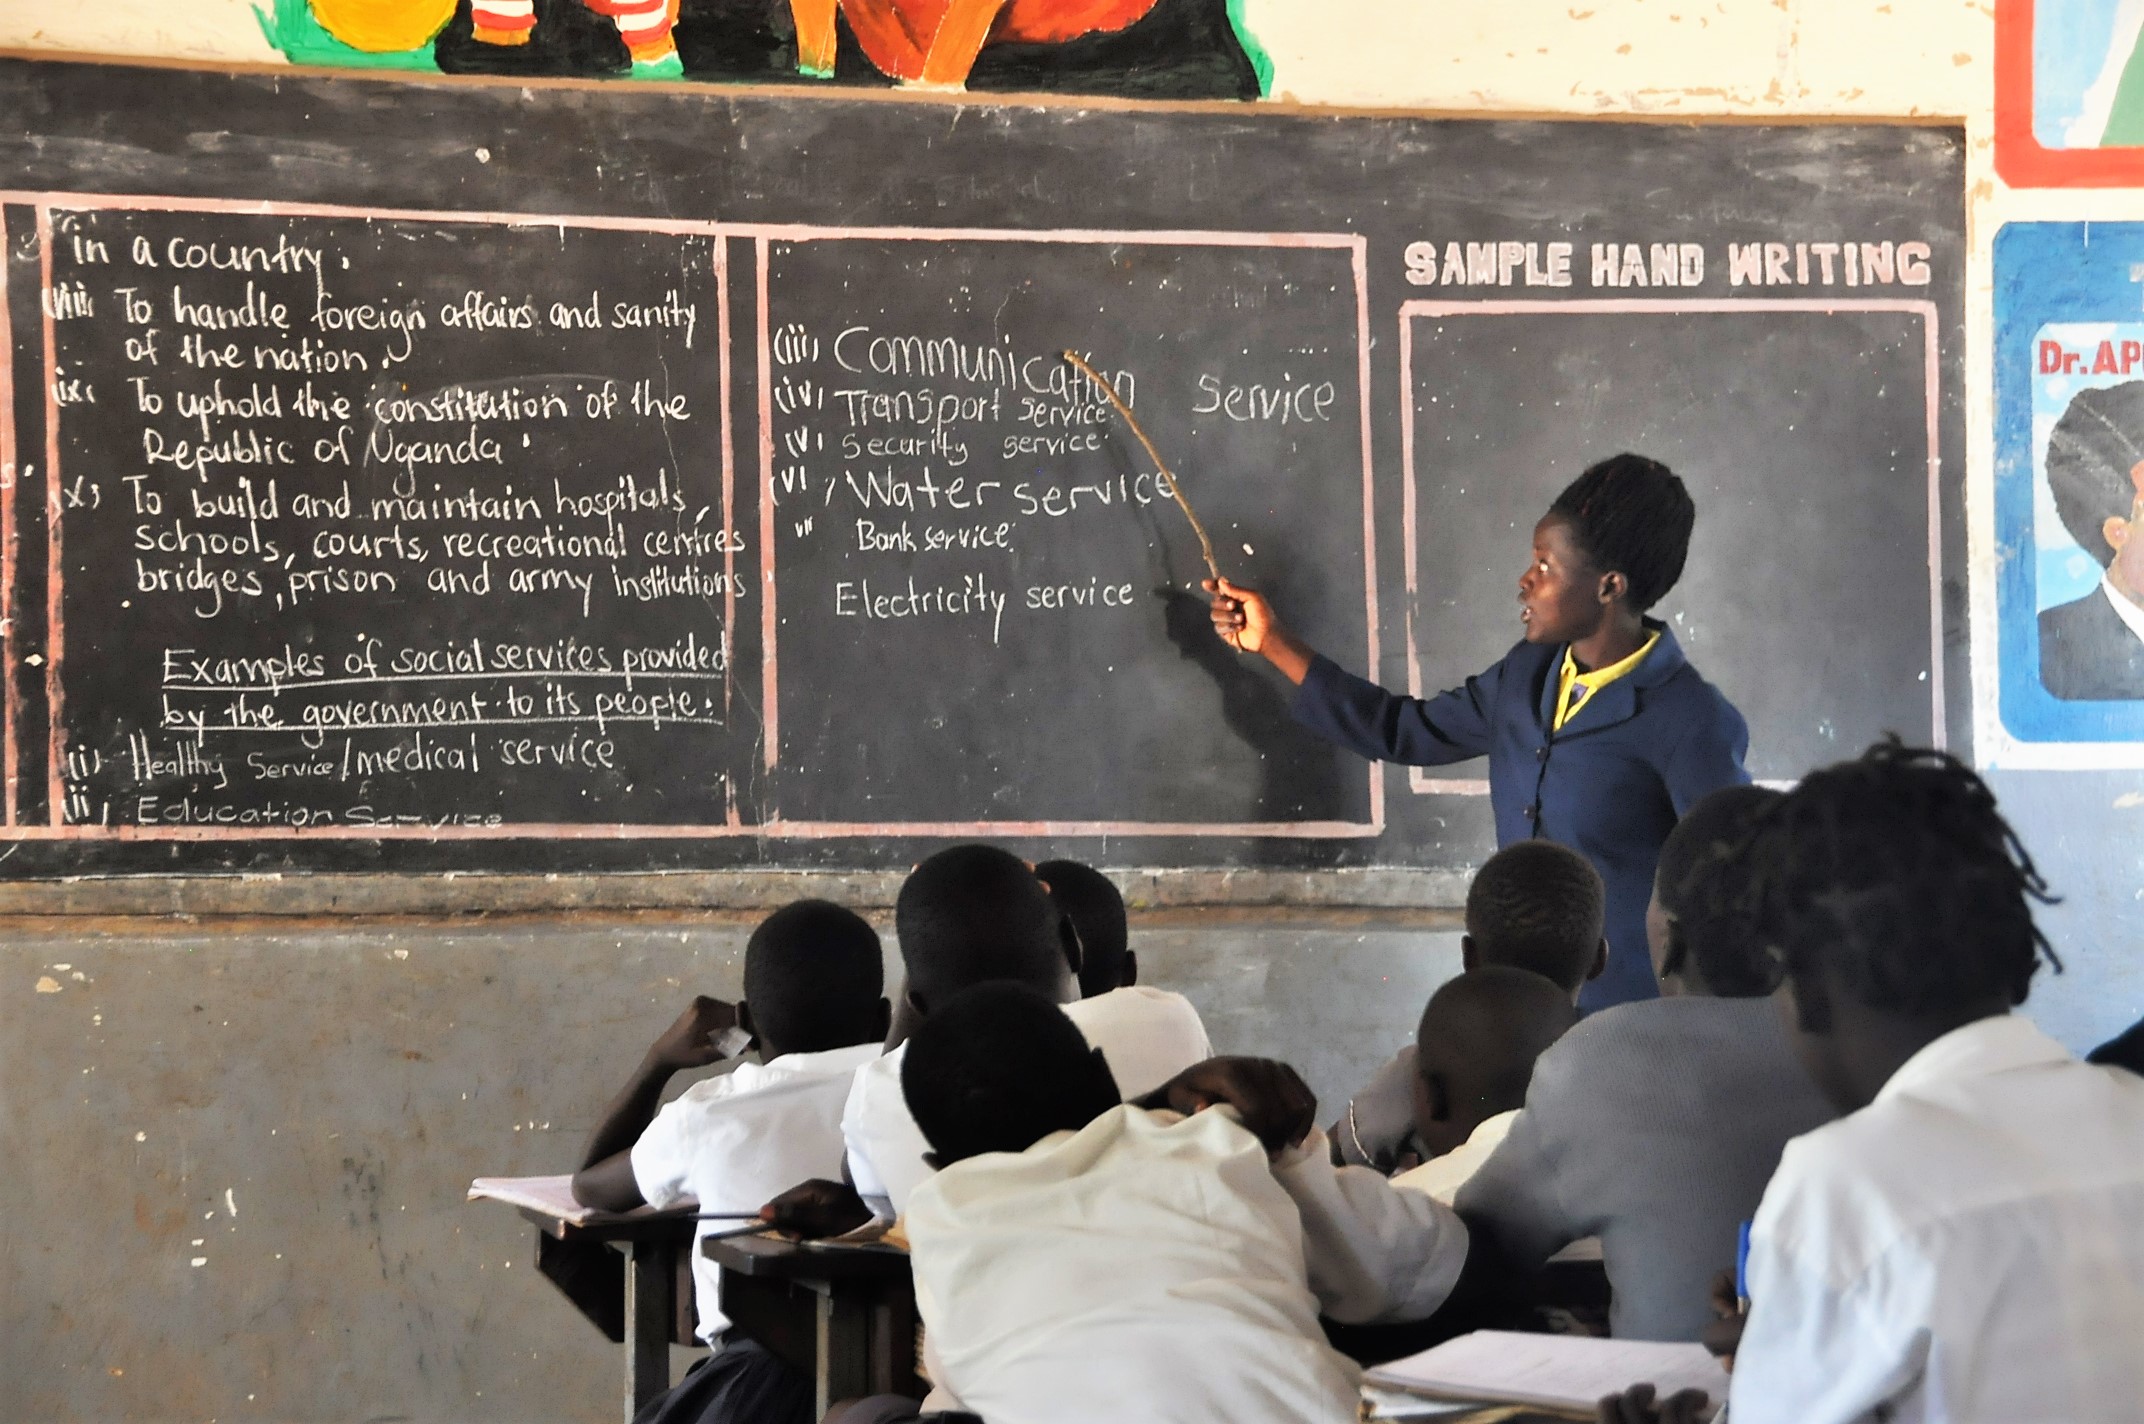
(1632, 516)
(1897, 874)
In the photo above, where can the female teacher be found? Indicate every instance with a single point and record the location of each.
(1598, 731)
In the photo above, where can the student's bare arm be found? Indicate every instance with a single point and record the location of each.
(605, 1180)
(1271, 1098)
(1246, 623)
(816, 1209)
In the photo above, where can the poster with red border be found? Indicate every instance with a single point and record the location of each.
(2066, 78)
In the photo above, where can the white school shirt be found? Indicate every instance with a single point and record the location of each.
(1442, 1177)
(738, 1141)
(1147, 1267)
(1967, 1249)
(1375, 1252)
(1148, 1035)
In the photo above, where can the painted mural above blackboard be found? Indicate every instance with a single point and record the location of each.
(1154, 49)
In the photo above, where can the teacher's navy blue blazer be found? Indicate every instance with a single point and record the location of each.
(1610, 785)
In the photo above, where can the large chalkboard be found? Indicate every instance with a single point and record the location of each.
(469, 476)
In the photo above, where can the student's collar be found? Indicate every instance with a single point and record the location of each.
(1997, 1044)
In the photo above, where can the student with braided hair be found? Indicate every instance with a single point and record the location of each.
(1599, 732)
(1967, 1243)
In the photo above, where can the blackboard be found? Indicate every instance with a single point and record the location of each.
(462, 475)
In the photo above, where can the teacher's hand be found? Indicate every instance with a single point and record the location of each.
(1241, 615)
(1246, 623)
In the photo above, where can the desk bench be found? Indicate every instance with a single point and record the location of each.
(843, 1315)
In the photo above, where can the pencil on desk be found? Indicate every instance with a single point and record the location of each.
(754, 1229)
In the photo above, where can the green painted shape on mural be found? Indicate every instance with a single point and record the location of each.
(670, 66)
(292, 29)
(1261, 61)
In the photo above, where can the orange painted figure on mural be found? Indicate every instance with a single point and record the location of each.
(935, 42)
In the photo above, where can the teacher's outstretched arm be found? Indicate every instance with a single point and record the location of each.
(1353, 711)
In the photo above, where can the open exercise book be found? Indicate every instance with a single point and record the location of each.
(553, 1196)
(1552, 1371)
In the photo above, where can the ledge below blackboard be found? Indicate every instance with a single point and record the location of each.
(1429, 898)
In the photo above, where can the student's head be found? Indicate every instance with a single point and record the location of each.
(1537, 906)
(974, 913)
(1700, 935)
(2095, 470)
(998, 1068)
(1475, 1049)
(1611, 546)
(813, 980)
(1097, 914)
(1896, 903)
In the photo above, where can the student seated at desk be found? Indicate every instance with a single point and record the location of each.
(1096, 909)
(973, 914)
(1967, 1243)
(1654, 1126)
(1536, 906)
(1475, 1052)
(813, 986)
(1080, 1260)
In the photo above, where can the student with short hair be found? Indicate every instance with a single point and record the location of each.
(1475, 1053)
(813, 1002)
(1967, 1242)
(1655, 1126)
(967, 915)
(2092, 648)
(1096, 908)
(1599, 732)
(1077, 1259)
(1536, 906)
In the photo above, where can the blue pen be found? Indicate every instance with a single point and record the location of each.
(1742, 1267)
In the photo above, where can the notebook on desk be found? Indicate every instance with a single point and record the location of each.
(553, 1196)
(1565, 1372)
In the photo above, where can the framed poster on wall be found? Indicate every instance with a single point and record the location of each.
(2069, 93)
(2069, 491)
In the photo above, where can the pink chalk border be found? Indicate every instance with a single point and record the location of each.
(761, 234)
(46, 204)
(1424, 784)
(1356, 246)
(10, 483)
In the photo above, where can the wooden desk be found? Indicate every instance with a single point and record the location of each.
(635, 1286)
(844, 1315)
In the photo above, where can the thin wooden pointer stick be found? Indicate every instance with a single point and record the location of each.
(1168, 480)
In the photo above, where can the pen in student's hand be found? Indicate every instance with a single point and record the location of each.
(725, 1216)
(752, 1228)
(1742, 1268)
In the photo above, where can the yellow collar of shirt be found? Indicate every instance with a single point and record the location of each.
(1574, 689)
